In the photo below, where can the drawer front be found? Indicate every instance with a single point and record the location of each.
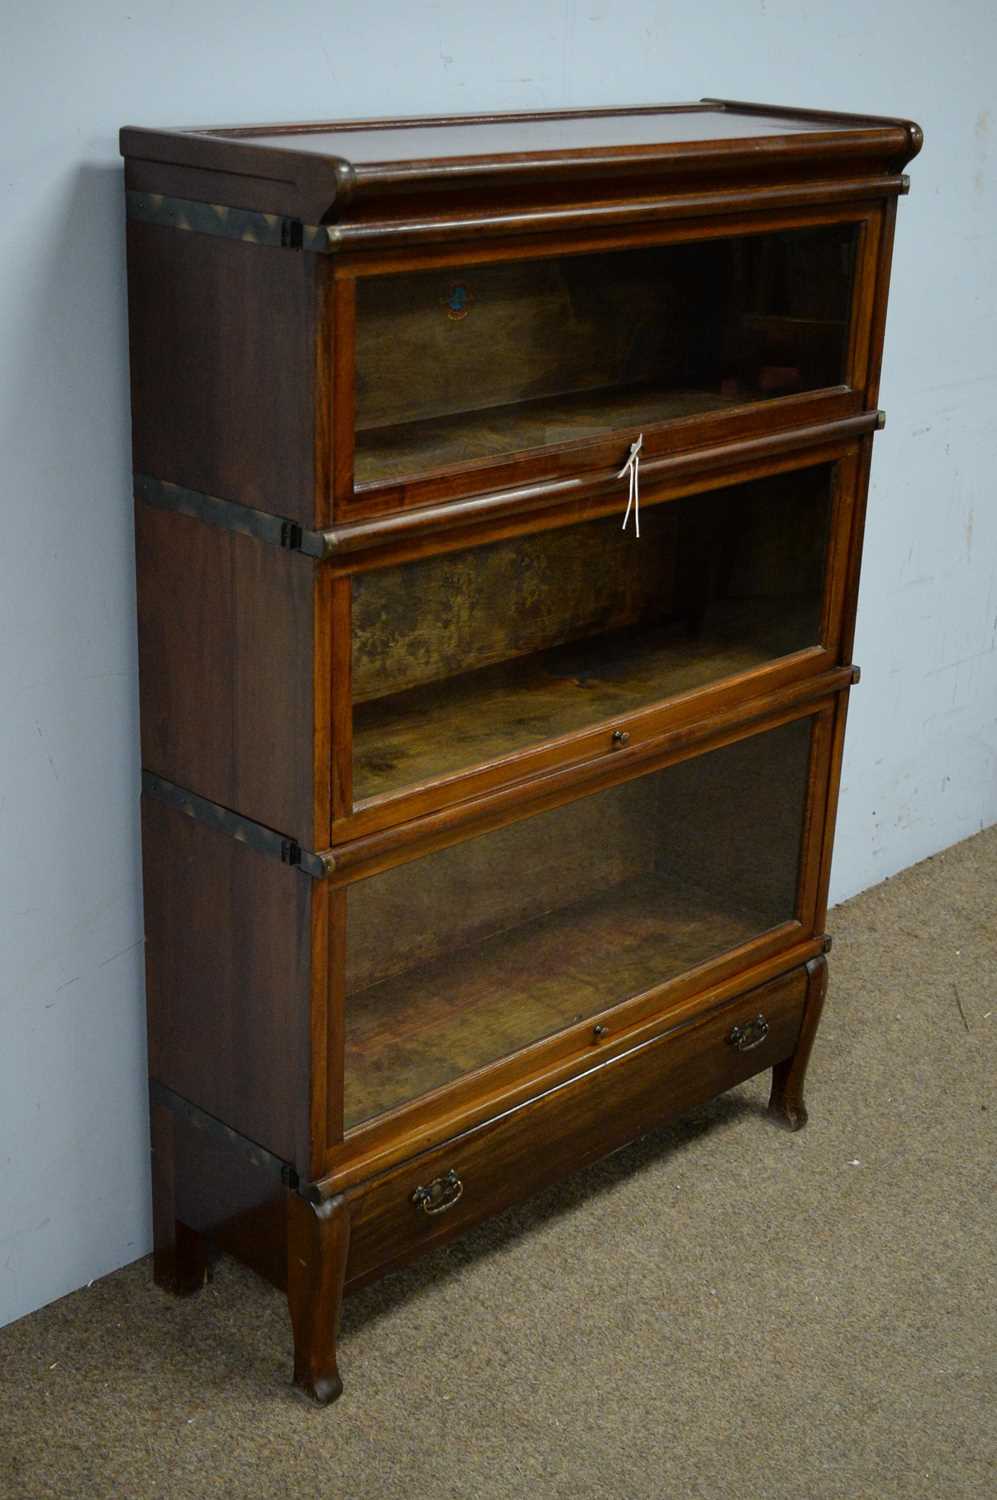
(442, 1192)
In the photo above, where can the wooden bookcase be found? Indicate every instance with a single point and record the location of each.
(480, 834)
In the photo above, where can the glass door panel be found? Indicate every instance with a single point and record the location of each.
(464, 658)
(464, 365)
(462, 957)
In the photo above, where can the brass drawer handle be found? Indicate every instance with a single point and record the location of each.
(621, 737)
(751, 1034)
(440, 1195)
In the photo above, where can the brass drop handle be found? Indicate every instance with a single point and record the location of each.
(621, 737)
(441, 1194)
(750, 1035)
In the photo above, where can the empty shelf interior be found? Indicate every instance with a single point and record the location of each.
(431, 1024)
(444, 727)
(472, 952)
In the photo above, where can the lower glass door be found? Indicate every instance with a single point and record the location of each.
(460, 958)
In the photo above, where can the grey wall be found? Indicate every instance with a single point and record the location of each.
(921, 749)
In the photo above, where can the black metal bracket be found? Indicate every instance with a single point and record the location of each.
(218, 219)
(257, 1155)
(255, 835)
(279, 531)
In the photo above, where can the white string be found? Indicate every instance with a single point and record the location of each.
(632, 466)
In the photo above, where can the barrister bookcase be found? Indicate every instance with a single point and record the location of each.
(500, 486)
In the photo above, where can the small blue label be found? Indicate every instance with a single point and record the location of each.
(458, 301)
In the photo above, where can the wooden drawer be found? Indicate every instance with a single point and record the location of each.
(616, 1101)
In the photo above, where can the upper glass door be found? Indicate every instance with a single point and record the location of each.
(469, 366)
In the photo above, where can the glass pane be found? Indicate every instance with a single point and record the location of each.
(463, 658)
(459, 365)
(462, 957)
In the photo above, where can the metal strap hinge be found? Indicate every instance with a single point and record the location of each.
(290, 852)
(210, 1125)
(255, 835)
(291, 234)
(223, 222)
(279, 531)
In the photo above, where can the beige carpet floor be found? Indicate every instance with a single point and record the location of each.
(723, 1310)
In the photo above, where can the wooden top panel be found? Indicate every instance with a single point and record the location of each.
(385, 143)
(337, 160)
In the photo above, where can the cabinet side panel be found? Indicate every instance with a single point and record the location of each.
(228, 949)
(225, 662)
(222, 367)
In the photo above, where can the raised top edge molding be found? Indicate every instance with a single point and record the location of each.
(328, 165)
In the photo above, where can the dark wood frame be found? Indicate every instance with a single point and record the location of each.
(242, 389)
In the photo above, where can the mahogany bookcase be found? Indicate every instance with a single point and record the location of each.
(485, 826)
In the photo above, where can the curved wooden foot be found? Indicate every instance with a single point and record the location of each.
(789, 1116)
(786, 1104)
(180, 1255)
(318, 1241)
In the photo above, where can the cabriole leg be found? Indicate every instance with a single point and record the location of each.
(786, 1104)
(318, 1241)
(180, 1256)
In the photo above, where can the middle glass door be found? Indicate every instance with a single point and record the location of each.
(468, 658)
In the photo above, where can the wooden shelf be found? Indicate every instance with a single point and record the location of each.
(448, 726)
(411, 449)
(420, 1029)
